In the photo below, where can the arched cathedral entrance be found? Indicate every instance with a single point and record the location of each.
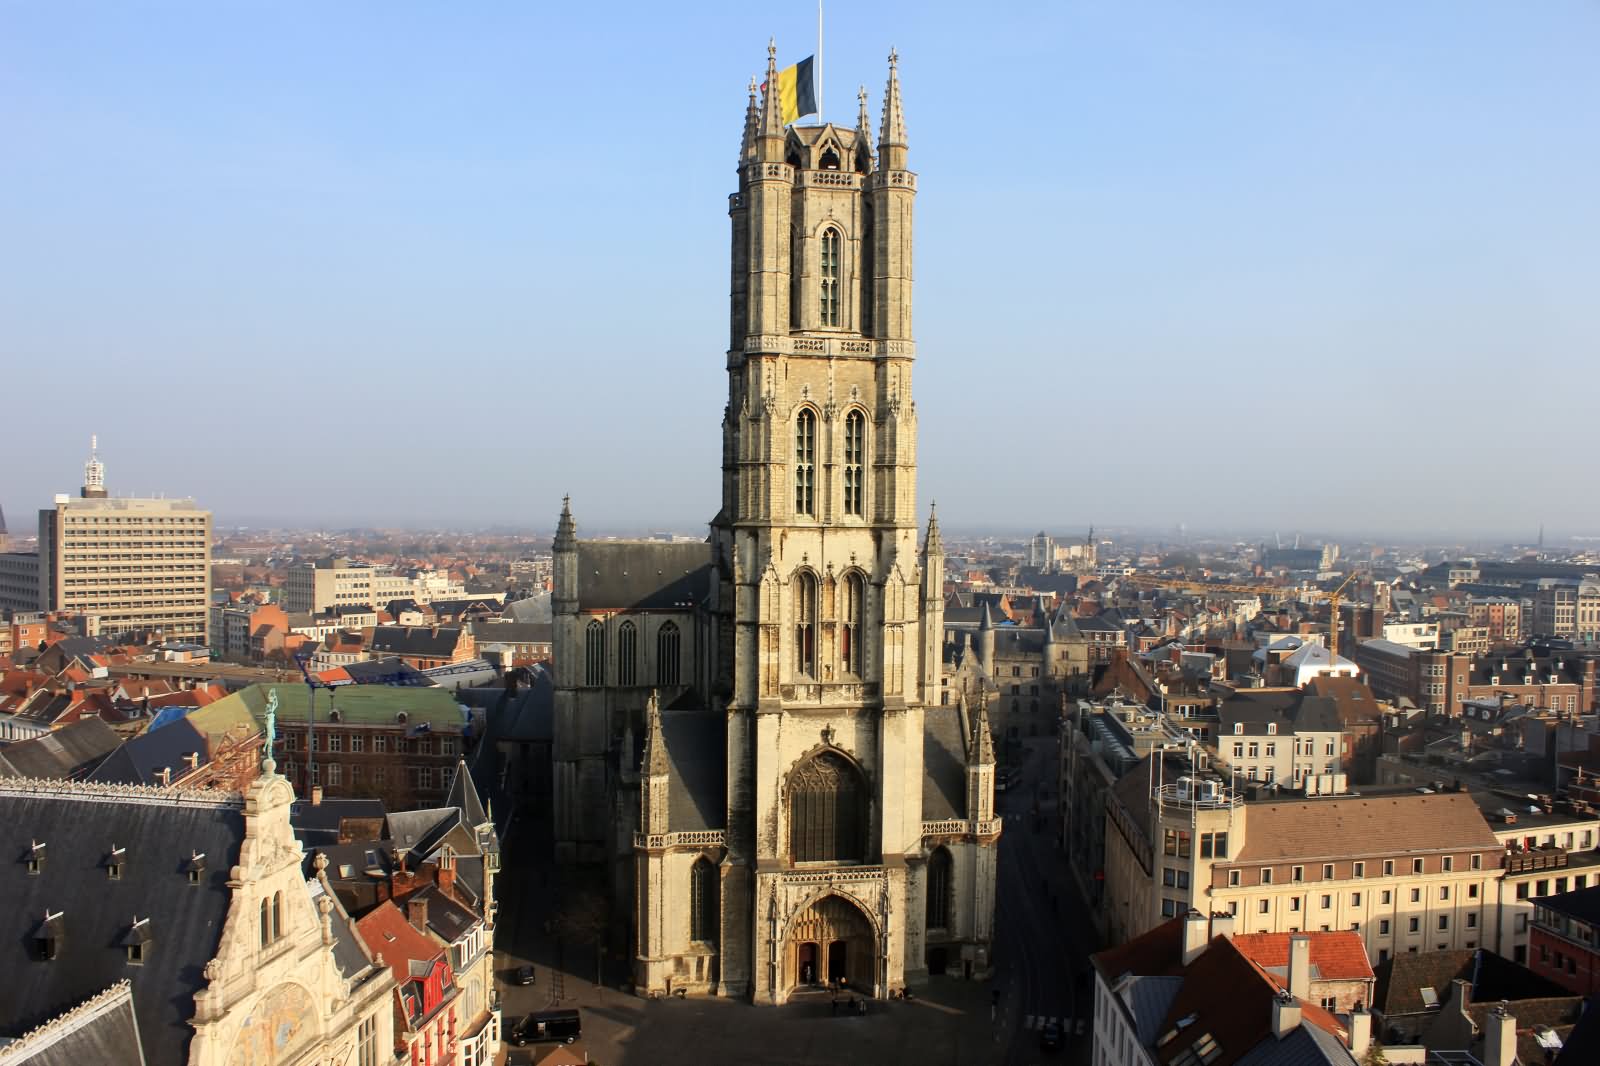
(832, 942)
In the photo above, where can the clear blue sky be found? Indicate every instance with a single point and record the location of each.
(1310, 265)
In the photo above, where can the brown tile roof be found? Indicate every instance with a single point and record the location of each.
(1340, 955)
(1387, 825)
(1155, 953)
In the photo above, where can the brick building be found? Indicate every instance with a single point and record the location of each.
(1566, 940)
(1441, 681)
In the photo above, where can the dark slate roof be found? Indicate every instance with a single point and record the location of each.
(1010, 642)
(434, 641)
(386, 672)
(513, 632)
(1495, 977)
(530, 715)
(74, 750)
(160, 833)
(1582, 904)
(349, 954)
(697, 748)
(318, 823)
(139, 760)
(103, 1030)
(643, 575)
(1581, 1046)
(463, 796)
(447, 919)
(1307, 1045)
(944, 764)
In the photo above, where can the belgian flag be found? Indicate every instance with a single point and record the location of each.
(797, 90)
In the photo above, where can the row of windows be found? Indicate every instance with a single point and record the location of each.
(852, 603)
(1447, 864)
(669, 651)
(805, 463)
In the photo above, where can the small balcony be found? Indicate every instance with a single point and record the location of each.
(1546, 858)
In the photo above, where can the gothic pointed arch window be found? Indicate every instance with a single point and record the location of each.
(804, 588)
(594, 653)
(668, 654)
(827, 810)
(855, 440)
(627, 654)
(829, 293)
(852, 600)
(805, 462)
(940, 884)
(705, 891)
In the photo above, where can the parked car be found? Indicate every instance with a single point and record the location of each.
(1050, 1037)
(563, 1025)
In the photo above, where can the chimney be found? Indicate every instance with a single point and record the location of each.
(1223, 925)
(417, 912)
(164, 775)
(1286, 1015)
(1300, 966)
(1499, 1037)
(193, 759)
(1360, 1032)
(1194, 936)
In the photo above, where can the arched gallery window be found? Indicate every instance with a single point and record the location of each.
(667, 654)
(830, 277)
(805, 623)
(805, 462)
(827, 811)
(705, 888)
(627, 654)
(594, 653)
(852, 597)
(939, 886)
(855, 436)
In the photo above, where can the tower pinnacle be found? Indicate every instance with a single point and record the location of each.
(566, 528)
(892, 135)
(752, 123)
(772, 109)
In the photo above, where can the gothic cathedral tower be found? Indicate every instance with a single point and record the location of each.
(831, 619)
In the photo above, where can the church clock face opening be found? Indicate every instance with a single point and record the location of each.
(773, 801)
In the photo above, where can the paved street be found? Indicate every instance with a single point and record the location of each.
(950, 1022)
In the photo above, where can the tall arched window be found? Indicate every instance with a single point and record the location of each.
(667, 654)
(627, 654)
(705, 890)
(277, 915)
(827, 811)
(266, 923)
(852, 598)
(805, 623)
(939, 885)
(830, 277)
(805, 462)
(855, 437)
(594, 653)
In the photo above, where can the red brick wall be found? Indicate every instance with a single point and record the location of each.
(1579, 969)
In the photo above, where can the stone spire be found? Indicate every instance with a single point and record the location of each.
(892, 134)
(566, 528)
(863, 123)
(982, 742)
(771, 111)
(934, 544)
(653, 801)
(655, 744)
(752, 124)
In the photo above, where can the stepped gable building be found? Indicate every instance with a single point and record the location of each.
(748, 730)
(189, 905)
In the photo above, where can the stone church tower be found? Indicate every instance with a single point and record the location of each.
(849, 833)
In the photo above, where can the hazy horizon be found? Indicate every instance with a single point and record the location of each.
(407, 266)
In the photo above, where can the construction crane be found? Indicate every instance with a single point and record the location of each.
(1333, 613)
(1311, 595)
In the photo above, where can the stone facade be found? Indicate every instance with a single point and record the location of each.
(801, 808)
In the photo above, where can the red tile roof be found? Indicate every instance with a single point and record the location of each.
(1335, 956)
(387, 933)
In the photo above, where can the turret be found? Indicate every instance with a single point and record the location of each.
(893, 189)
(655, 771)
(980, 766)
(986, 642)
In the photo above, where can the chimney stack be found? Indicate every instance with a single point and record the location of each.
(1195, 939)
(1499, 1037)
(1300, 966)
(1286, 1015)
(417, 912)
(1223, 924)
(1360, 1032)
(316, 795)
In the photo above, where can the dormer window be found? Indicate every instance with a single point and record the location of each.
(114, 863)
(47, 937)
(136, 942)
(1238, 729)
(195, 868)
(35, 858)
(1272, 729)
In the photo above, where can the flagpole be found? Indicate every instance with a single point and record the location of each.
(819, 63)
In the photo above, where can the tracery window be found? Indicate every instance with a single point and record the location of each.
(668, 654)
(805, 623)
(855, 435)
(852, 597)
(830, 277)
(704, 891)
(826, 811)
(939, 885)
(627, 654)
(805, 462)
(594, 654)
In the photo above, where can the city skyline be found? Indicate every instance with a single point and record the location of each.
(291, 245)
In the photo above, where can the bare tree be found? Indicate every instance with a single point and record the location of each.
(584, 918)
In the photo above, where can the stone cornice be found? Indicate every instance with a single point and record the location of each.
(154, 795)
(42, 1036)
(824, 344)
